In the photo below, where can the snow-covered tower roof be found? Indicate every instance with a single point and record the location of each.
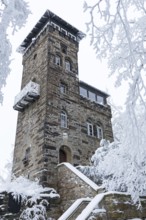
(49, 18)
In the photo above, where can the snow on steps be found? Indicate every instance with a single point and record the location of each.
(81, 176)
(75, 209)
(121, 202)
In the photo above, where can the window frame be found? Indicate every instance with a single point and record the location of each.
(63, 118)
(58, 60)
(90, 130)
(100, 97)
(99, 131)
(67, 65)
(83, 91)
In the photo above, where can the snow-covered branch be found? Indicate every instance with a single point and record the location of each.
(13, 15)
(117, 30)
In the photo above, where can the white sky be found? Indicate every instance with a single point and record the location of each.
(90, 69)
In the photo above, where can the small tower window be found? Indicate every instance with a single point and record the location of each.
(63, 48)
(58, 60)
(63, 88)
(63, 119)
(27, 156)
(90, 129)
(99, 132)
(67, 65)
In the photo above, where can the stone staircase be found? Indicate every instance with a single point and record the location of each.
(75, 209)
(101, 206)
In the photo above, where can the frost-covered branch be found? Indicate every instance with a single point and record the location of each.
(13, 15)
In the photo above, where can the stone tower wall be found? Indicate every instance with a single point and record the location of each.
(39, 135)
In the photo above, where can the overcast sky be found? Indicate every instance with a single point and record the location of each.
(90, 69)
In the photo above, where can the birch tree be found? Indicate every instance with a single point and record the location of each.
(13, 16)
(118, 33)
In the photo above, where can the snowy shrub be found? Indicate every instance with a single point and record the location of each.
(33, 196)
(35, 212)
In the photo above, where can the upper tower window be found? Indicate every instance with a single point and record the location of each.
(63, 48)
(83, 92)
(63, 88)
(67, 65)
(93, 96)
(58, 60)
(63, 119)
(100, 100)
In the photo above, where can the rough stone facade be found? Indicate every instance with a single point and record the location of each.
(120, 207)
(40, 139)
(72, 187)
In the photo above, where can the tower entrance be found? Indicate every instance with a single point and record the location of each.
(64, 154)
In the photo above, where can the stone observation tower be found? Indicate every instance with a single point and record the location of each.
(61, 119)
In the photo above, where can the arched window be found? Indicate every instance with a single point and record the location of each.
(58, 60)
(90, 129)
(99, 131)
(63, 119)
(67, 65)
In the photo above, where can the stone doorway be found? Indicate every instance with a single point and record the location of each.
(64, 154)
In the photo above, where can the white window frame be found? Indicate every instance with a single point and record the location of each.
(99, 132)
(67, 65)
(63, 119)
(90, 129)
(57, 60)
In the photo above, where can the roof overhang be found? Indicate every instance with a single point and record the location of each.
(49, 16)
